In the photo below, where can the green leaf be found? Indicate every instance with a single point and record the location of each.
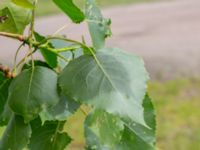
(50, 57)
(68, 54)
(99, 27)
(36, 63)
(130, 141)
(32, 91)
(106, 132)
(23, 3)
(111, 80)
(4, 85)
(50, 136)
(5, 115)
(64, 108)
(103, 131)
(16, 135)
(138, 136)
(71, 10)
(16, 19)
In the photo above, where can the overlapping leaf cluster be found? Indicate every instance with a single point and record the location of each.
(36, 104)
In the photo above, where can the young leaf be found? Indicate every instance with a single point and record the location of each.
(16, 135)
(49, 136)
(33, 90)
(50, 57)
(99, 27)
(103, 131)
(111, 80)
(17, 18)
(61, 111)
(71, 10)
(4, 85)
(23, 3)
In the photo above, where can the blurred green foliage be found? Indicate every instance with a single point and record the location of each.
(47, 7)
(177, 103)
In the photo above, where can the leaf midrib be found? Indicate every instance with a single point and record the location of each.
(138, 135)
(104, 72)
(56, 134)
(13, 18)
(30, 85)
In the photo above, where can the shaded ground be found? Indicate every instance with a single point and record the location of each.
(165, 34)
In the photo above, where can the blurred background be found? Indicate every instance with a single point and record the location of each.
(166, 34)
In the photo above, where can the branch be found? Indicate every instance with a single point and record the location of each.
(66, 39)
(13, 36)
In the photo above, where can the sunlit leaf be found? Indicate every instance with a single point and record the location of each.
(23, 3)
(112, 80)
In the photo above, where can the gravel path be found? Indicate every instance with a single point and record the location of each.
(165, 34)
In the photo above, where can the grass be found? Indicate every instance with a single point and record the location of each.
(177, 104)
(50, 7)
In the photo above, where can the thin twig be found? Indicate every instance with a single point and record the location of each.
(66, 39)
(15, 59)
(31, 32)
(13, 36)
(24, 59)
(60, 29)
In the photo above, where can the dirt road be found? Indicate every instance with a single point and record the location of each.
(165, 34)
